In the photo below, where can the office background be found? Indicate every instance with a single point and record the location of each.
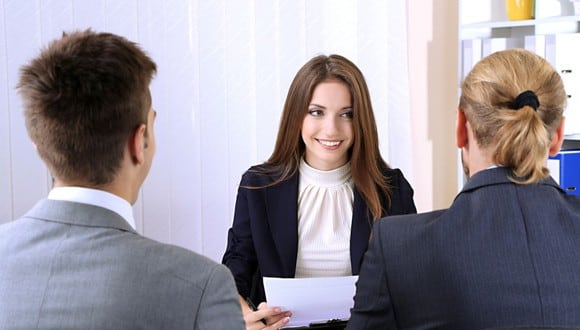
(224, 67)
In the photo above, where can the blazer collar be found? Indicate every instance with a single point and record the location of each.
(498, 175)
(282, 209)
(78, 214)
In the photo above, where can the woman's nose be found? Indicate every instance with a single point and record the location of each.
(331, 125)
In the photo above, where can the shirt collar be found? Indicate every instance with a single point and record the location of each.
(329, 178)
(95, 197)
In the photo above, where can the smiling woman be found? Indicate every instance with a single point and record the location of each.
(327, 128)
(308, 210)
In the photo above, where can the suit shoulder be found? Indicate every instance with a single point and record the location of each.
(181, 254)
(408, 220)
(389, 171)
(399, 197)
(178, 261)
(260, 175)
(394, 177)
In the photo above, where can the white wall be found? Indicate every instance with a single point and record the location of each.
(433, 82)
(224, 69)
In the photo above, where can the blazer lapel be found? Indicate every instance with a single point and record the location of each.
(282, 210)
(359, 233)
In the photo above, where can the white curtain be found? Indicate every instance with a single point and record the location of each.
(223, 72)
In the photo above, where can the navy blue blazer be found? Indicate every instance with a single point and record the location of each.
(503, 255)
(263, 240)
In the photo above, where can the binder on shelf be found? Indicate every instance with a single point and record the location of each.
(565, 169)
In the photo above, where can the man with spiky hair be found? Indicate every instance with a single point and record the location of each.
(75, 260)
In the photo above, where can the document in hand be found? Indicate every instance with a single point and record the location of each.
(312, 300)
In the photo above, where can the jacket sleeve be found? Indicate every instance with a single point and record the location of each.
(219, 307)
(240, 256)
(372, 302)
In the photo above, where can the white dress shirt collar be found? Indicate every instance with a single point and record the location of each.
(95, 197)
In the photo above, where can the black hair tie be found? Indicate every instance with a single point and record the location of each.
(528, 98)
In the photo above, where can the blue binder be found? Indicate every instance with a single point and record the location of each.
(569, 170)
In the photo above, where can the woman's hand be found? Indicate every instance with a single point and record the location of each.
(268, 318)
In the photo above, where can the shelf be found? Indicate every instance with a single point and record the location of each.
(573, 144)
(528, 22)
(573, 137)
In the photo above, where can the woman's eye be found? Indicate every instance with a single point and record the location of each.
(347, 114)
(315, 112)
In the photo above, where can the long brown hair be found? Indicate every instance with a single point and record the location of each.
(366, 161)
(518, 137)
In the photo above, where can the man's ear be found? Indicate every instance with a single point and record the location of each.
(557, 139)
(461, 137)
(137, 144)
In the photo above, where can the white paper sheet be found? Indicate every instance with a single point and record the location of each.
(312, 300)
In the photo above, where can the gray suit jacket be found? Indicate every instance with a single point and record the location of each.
(502, 255)
(67, 265)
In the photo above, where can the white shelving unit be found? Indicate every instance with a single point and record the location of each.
(553, 34)
(487, 18)
(523, 23)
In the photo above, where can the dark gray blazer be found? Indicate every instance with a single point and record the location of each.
(67, 265)
(502, 255)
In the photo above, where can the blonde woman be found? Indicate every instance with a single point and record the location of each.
(506, 253)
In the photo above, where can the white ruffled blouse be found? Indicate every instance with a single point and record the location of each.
(325, 202)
